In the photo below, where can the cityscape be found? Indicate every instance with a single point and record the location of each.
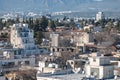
(59, 40)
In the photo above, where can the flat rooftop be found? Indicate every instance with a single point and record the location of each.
(69, 76)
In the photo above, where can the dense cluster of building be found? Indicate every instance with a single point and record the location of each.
(65, 55)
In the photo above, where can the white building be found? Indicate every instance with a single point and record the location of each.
(82, 38)
(10, 62)
(99, 67)
(47, 67)
(54, 39)
(23, 38)
(99, 16)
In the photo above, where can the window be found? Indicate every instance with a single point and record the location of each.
(11, 64)
(27, 62)
(25, 40)
(19, 63)
(95, 72)
(71, 62)
(76, 63)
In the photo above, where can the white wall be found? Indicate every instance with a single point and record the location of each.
(97, 61)
(31, 60)
(41, 65)
(46, 78)
(104, 71)
(87, 72)
(94, 63)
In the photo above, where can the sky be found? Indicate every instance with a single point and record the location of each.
(58, 5)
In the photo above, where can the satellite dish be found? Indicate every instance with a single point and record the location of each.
(115, 77)
(43, 39)
(83, 72)
(45, 59)
(51, 54)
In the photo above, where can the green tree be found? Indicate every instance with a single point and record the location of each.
(52, 25)
(38, 37)
(1, 24)
(109, 27)
(118, 26)
(9, 22)
(43, 23)
(72, 23)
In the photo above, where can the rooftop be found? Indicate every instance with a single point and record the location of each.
(68, 76)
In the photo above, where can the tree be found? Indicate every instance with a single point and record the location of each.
(30, 22)
(109, 27)
(118, 26)
(38, 37)
(51, 24)
(9, 22)
(43, 23)
(1, 24)
(72, 23)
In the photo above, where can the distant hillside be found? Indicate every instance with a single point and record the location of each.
(58, 5)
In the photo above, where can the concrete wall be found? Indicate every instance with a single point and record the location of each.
(50, 70)
(46, 78)
(104, 71)
(94, 61)
(83, 38)
(108, 71)
(97, 61)
(87, 71)
(31, 60)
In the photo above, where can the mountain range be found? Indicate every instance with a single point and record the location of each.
(58, 5)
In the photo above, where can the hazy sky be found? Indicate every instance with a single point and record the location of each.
(59, 5)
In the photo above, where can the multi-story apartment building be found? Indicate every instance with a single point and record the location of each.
(99, 67)
(10, 61)
(23, 38)
(99, 16)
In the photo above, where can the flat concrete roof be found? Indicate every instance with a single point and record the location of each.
(71, 76)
